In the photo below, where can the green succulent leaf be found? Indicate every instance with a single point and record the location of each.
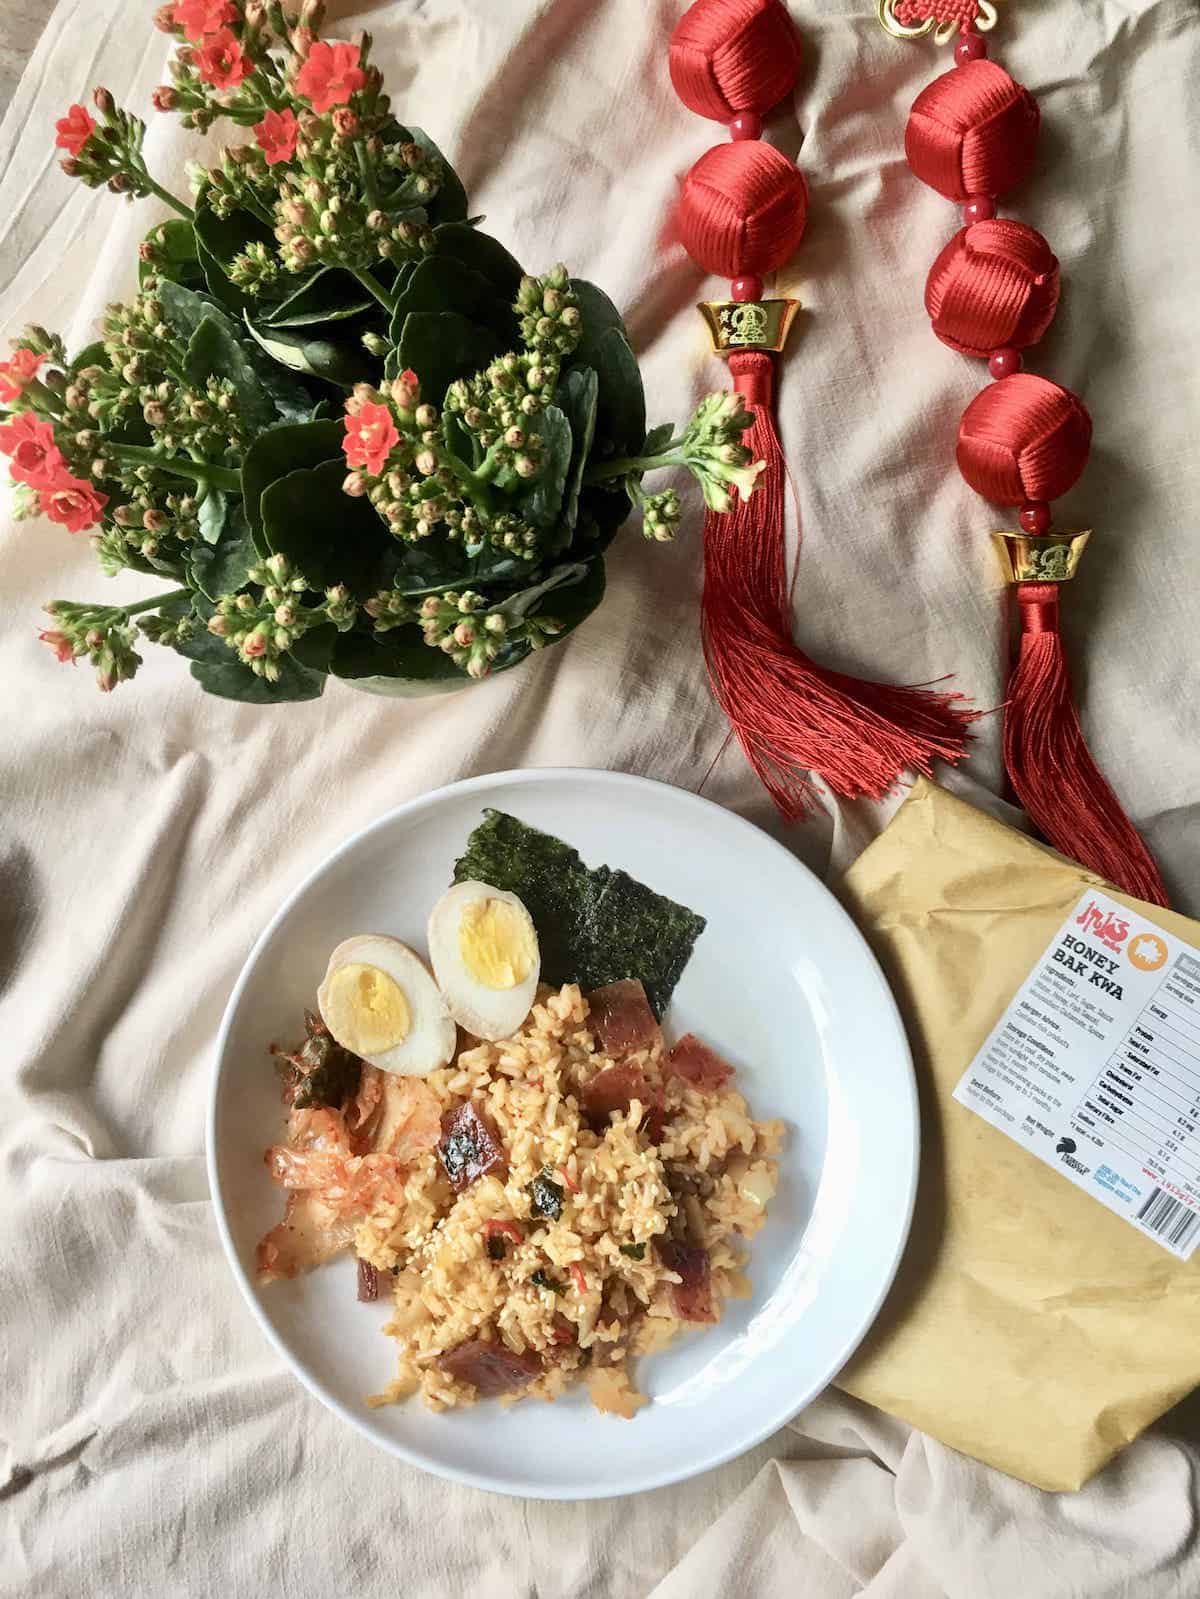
(213, 352)
(174, 242)
(223, 568)
(602, 511)
(330, 537)
(252, 367)
(212, 516)
(599, 315)
(621, 401)
(576, 397)
(657, 438)
(458, 241)
(341, 361)
(439, 284)
(277, 452)
(330, 295)
(231, 680)
(399, 653)
(218, 240)
(450, 202)
(442, 346)
(90, 355)
(541, 505)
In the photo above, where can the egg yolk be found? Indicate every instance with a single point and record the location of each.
(495, 943)
(366, 1010)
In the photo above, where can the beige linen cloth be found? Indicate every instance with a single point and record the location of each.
(152, 1442)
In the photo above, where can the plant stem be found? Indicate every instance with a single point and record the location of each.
(603, 470)
(372, 287)
(208, 472)
(184, 211)
(154, 600)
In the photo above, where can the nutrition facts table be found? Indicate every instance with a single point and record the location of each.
(1094, 1067)
(1146, 1100)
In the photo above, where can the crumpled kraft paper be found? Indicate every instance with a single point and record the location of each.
(1028, 1325)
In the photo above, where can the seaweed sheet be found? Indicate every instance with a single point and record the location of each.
(595, 924)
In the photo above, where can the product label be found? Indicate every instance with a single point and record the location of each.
(1095, 1068)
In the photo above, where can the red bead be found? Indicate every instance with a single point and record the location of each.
(1035, 517)
(971, 46)
(979, 208)
(1006, 361)
(747, 288)
(746, 125)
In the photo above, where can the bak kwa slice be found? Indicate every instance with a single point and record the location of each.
(490, 1368)
(615, 1088)
(693, 1295)
(698, 1065)
(620, 1018)
(470, 1146)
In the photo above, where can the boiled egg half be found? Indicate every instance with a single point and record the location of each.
(484, 950)
(380, 1002)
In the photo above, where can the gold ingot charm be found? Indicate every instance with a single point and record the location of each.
(748, 324)
(1041, 557)
(886, 12)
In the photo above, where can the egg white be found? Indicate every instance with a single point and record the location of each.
(431, 1036)
(486, 1012)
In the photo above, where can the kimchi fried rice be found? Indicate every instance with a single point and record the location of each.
(539, 1211)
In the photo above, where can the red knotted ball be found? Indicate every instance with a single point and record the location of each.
(972, 131)
(734, 55)
(995, 284)
(743, 209)
(1023, 439)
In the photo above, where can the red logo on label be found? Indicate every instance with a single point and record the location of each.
(1110, 929)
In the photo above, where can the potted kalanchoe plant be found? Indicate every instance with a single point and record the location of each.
(338, 417)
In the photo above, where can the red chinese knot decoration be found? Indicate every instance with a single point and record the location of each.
(1024, 441)
(742, 214)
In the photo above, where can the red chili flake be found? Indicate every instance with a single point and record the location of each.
(580, 1279)
(567, 1179)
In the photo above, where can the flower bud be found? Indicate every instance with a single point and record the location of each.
(255, 645)
(495, 622)
(525, 466)
(218, 625)
(426, 416)
(345, 122)
(426, 462)
(355, 485)
(103, 102)
(120, 183)
(285, 615)
(164, 98)
(464, 634)
(478, 666)
(155, 521)
(164, 19)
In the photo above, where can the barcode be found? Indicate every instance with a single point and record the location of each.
(1170, 1218)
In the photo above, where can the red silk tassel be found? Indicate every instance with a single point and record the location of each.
(1051, 767)
(792, 716)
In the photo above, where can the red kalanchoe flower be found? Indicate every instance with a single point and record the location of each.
(277, 134)
(371, 437)
(199, 18)
(74, 130)
(72, 503)
(221, 61)
(330, 75)
(36, 459)
(16, 372)
(59, 643)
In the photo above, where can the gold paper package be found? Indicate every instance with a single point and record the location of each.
(1029, 1326)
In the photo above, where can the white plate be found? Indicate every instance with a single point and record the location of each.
(781, 983)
